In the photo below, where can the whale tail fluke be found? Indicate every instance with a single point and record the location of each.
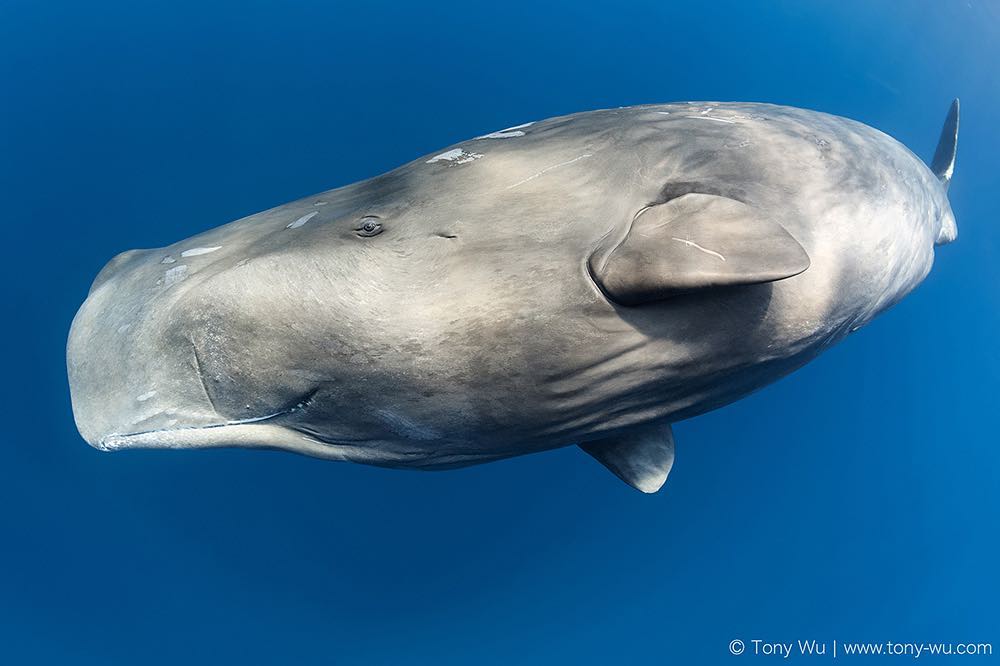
(943, 164)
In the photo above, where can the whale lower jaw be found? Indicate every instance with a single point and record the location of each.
(285, 438)
(243, 435)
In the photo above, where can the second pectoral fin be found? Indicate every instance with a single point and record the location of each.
(694, 242)
(641, 457)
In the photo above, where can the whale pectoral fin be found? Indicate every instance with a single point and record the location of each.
(694, 242)
(641, 457)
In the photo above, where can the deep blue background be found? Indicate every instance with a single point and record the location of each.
(857, 499)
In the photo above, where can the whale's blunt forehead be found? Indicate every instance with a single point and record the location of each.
(123, 377)
(132, 351)
(146, 354)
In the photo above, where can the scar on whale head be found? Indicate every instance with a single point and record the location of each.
(583, 280)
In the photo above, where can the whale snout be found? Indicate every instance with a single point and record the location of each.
(171, 350)
(127, 373)
(118, 264)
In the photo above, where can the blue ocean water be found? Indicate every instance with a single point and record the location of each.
(856, 500)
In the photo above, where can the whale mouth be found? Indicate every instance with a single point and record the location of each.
(237, 432)
(213, 435)
(258, 434)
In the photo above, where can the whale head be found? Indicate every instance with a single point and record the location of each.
(300, 328)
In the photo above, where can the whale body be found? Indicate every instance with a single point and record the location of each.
(583, 280)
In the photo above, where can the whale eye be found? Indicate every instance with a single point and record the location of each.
(369, 226)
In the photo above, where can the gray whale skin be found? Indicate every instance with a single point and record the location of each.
(587, 279)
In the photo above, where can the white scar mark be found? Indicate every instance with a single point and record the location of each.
(691, 243)
(718, 120)
(547, 169)
(509, 133)
(450, 155)
(502, 135)
(319, 203)
(457, 155)
(663, 113)
(168, 260)
(195, 251)
(175, 275)
(302, 220)
(146, 396)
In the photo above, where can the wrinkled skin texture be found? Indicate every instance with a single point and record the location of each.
(470, 328)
